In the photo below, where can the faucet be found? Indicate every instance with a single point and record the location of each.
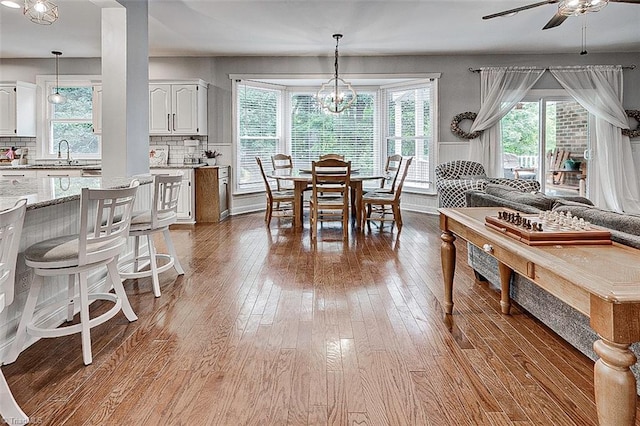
(68, 156)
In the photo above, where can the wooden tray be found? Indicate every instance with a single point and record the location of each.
(595, 235)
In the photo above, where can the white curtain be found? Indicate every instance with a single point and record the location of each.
(500, 90)
(599, 90)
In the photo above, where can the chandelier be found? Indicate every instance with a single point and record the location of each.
(43, 12)
(336, 95)
(56, 98)
(580, 7)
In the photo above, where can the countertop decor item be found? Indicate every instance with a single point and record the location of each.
(158, 155)
(212, 157)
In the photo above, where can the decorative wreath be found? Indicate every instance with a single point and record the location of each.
(633, 113)
(456, 130)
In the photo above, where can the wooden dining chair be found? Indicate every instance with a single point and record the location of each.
(330, 193)
(375, 205)
(282, 164)
(279, 203)
(332, 157)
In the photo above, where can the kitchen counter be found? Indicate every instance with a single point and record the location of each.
(54, 190)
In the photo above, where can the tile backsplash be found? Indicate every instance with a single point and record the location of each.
(177, 151)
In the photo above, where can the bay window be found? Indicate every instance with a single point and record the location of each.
(397, 119)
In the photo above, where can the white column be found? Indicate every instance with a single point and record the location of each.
(125, 88)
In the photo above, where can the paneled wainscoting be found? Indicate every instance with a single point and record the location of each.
(265, 329)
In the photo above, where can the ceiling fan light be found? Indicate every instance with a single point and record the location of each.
(11, 4)
(43, 12)
(580, 7)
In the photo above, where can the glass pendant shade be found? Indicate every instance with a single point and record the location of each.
(580, 7)
(336, 95)
(56, 98)
(43, 12)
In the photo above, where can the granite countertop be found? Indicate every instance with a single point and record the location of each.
(55, 190)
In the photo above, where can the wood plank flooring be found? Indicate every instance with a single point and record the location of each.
(266, 328)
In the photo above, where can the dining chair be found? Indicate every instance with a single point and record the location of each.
(388, 182)
(146, 223)
(332, 157)
(279, 203)
(282, 163)
(330, 193)
(105, 217)
(11, 222)
(375, 204)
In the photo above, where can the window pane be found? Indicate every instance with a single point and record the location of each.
(78, 105)
(80, 136)
(315, 131)
(258, 131)
(410, 124)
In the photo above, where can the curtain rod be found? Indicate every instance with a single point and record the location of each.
(624, 67)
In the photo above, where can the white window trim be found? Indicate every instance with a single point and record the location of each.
(43, 82)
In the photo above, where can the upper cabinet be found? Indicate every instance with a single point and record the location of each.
(178, 108)
(18, 109)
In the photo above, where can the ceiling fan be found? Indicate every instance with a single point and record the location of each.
(566, 8)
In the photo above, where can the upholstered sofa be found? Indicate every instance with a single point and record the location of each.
(455, 178)
(567, 322)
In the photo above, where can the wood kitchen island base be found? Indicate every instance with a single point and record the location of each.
(599, 281)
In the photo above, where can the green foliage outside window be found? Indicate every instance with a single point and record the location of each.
(72, 121)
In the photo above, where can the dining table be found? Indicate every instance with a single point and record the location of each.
(302, 178)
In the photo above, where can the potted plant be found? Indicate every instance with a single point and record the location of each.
(212, 157)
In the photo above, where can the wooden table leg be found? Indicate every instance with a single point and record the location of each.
(448, 259)
(615, 384)
(298, 189)
(505, 287)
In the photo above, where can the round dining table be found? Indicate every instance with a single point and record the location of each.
(301, 179)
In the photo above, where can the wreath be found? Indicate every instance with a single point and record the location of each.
(633, 113)
(455, 125)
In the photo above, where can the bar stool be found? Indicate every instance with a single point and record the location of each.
(163, 212)
(11, 222)
(105, 217)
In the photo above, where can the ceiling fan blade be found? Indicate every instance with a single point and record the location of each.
(520, 9)
(555, 21)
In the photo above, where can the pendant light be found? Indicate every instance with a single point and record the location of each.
(43, 12)
(56, 98)
(336, 95)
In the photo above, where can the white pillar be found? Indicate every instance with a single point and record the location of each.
(125, 88)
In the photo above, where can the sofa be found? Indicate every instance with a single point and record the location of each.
(564, 320)
(455, 178)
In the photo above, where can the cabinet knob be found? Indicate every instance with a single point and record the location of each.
(488, 248)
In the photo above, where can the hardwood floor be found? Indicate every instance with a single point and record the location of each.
(266, 329)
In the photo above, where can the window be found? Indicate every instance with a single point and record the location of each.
(258, 129)
(315, 132)
(72, 121)
(410, 124)
(266, 124)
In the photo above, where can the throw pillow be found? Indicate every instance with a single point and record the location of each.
(473, 177)
(537, 200)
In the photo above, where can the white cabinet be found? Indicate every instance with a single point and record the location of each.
(96, 108)
(186, 201)
(18, 109)
(178, 108)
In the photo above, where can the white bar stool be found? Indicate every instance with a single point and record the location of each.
(163, 212)
(105, 217)
(11, 222)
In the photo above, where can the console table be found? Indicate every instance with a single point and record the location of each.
(601, 281)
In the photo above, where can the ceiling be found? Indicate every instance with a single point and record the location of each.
(305, 28)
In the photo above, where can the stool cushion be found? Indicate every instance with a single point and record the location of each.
(379, 196)
(61, 252)
(142, 220)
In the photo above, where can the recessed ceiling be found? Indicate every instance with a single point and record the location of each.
(304, 28)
